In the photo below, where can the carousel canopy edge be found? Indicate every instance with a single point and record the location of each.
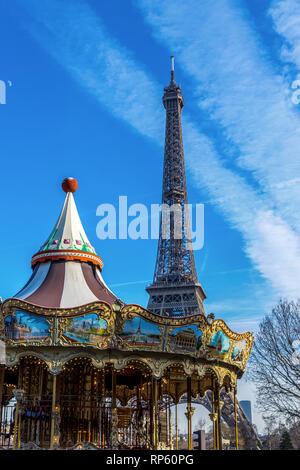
(124, 327)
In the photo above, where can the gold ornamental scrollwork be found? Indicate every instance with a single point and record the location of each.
(115, 317)
(2, 326)
(12, 304)
(198, 320)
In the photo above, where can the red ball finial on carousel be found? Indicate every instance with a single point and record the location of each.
(69, 185)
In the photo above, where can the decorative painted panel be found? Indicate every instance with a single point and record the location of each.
(139, 333)
(88, 329)
(185, 339)
(238, 351)
(219, 344)
(23, 327)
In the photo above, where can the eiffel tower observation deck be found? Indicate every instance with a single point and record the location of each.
(175, 290)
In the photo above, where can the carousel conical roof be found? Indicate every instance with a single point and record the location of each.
(68, 239)
(66, 270)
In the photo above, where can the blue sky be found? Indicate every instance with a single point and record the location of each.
(87, 79)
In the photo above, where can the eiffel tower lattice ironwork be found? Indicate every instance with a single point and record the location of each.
(175, 290)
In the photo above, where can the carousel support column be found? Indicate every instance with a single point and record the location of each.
(54, 431)
(213, 417)
(152, 415)
(219, 417)
(114, 413)
(217, 426)
(20, 399)
(150, 410)
(103, 410)
(189, 413)
(89, 405)
(166, 415)
(176, 415)
(26, 387)
(89, 411)
(2, 372)
(158, 397)
(176, 426)
(155, 413)
(137, 416)
(158, 414)
(18, 394)
(19, 423)
(16, 426)
(39, 398)
(170, 415)
(236, 421)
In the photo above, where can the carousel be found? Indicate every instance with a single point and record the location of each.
(82, 370)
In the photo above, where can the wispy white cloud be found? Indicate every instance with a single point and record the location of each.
(78, 40)
(248, 320)
(232, 271)
(240, 314)
(130, 283)
(270, 242)
(75, 36)
(286, 20)
(238, 87)
(288, 183)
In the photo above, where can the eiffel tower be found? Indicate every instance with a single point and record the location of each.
(175, 290)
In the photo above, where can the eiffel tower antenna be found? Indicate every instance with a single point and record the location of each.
(175, 290)
(172, 70)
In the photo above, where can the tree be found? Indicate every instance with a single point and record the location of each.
(228, 434)
(201, 423)
(294, 431)
(275, 363)
(272, 433)
(286, 443)
(209, 439)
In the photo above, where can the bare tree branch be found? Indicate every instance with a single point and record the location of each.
(272, 367)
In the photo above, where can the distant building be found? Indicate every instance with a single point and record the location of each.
(200, 440)
(246, 405)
